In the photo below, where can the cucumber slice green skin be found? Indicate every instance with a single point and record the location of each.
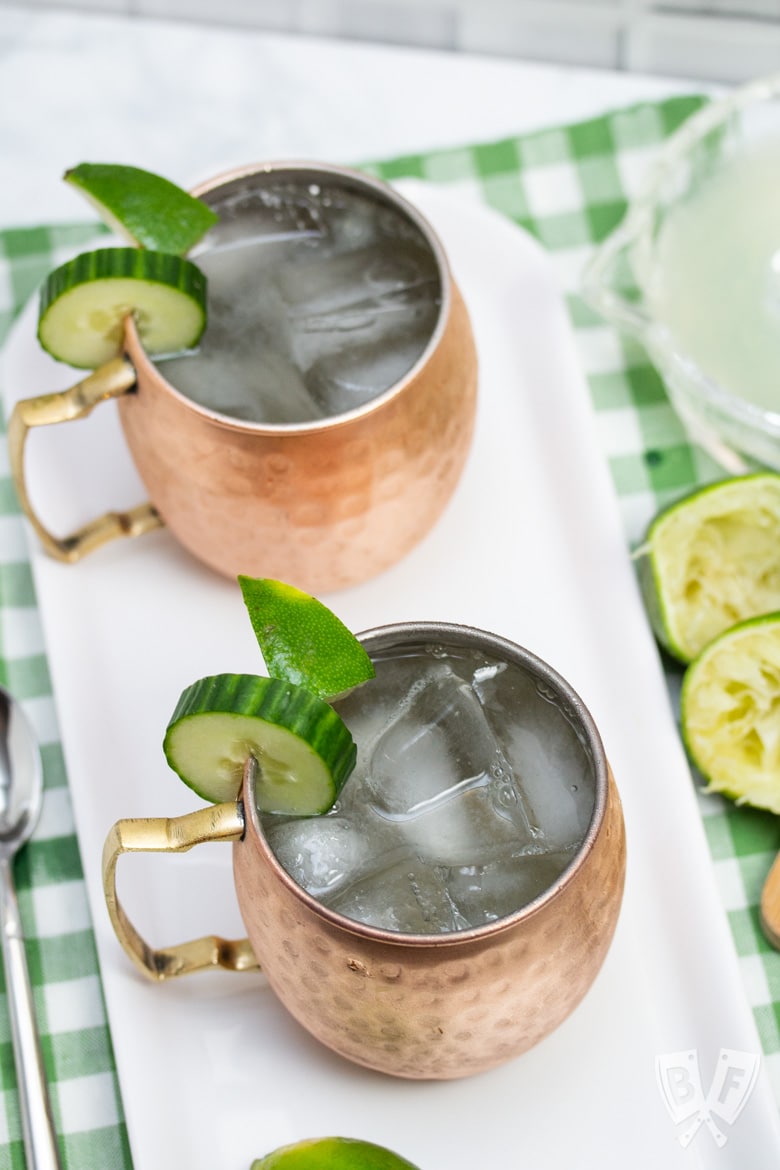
(83, 304)
(304, 749)
(142, 207)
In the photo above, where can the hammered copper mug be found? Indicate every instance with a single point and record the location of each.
(324, 504)
(412, 1005)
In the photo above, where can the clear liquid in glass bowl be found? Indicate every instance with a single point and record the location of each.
(693, 271)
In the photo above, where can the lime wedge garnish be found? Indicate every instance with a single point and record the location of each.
(145, 209)
(84, 302)
(303, 749)
(730, 712)
(334, 1153)
(302, 640)
(712, 560)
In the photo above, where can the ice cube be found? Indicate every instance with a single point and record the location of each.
(278, 214)
(316, 286)
(359, 322)
(321, 854)
(556, 777)
(370, 710)
(547, 758)
(437, 744)
(248, 381)
(348, 376)
(462, 827)
(485, 892)
(240, 270)
(351, 220)
(407, 896)
(434, 741)
(437, 772)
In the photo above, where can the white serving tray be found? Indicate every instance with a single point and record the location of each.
(212, 1071)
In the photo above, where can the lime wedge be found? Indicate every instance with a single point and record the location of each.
(84, 302)
(730, 712)
(334, 1153)
(142, 207)
(303, 749)
(711, 560)
(302, 640)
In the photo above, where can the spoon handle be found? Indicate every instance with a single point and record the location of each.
(40, 1141)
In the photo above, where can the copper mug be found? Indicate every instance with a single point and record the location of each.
(323, 504)
(412, 1005)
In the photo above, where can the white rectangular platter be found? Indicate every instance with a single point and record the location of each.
(212, 1071)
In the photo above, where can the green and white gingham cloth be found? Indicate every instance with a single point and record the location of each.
(568, 186)
(61, 950)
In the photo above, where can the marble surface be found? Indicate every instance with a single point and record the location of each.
(189, 100)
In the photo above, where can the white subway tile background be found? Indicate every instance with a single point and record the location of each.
(713, 40)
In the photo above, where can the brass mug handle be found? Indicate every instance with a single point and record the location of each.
(219, 822)
(109, 381)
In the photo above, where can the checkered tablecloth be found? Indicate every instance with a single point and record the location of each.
(567, 186)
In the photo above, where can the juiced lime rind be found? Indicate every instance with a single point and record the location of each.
(730, 712)
(334, 1153)
(303, 748)
(84, 302)
(146, 209)
(652, 592)
(711, 560)
(303, 641)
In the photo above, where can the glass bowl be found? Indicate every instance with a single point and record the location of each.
(716, 182)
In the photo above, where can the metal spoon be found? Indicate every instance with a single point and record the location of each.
(21, 795)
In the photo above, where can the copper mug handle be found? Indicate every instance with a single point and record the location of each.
(111, 380)
(219, 822)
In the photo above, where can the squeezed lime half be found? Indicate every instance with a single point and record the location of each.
(712, 560)
(730, 712)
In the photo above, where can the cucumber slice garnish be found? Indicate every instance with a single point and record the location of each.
(302, 640)
(142, 207)
(302, 746)
(84, 302)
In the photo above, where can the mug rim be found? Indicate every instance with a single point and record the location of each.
(349, 177)
(380, 637)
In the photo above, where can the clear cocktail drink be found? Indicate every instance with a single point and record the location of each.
(473, 792)
(465, 890)
(320, 297)
(322, 426)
